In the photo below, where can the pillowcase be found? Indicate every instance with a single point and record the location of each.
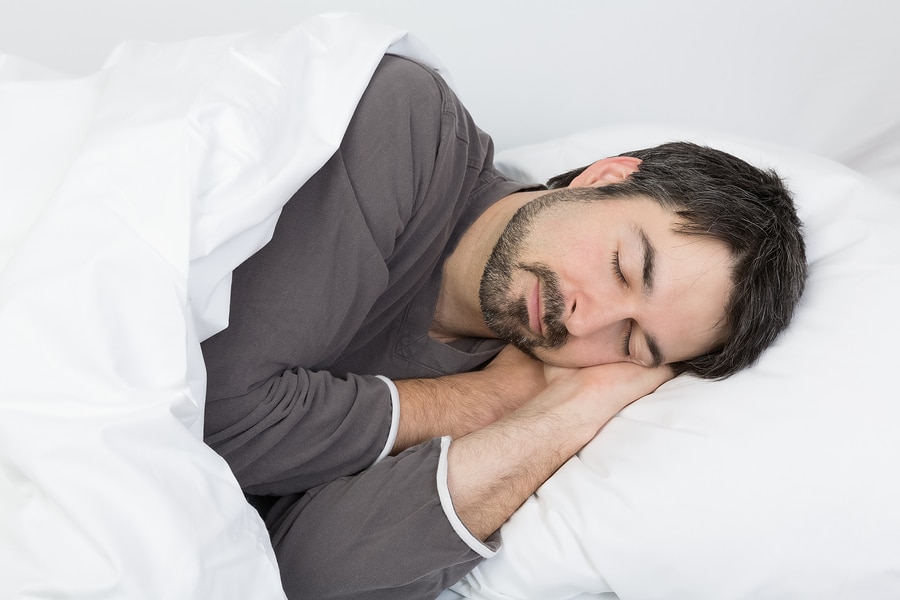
(777, 483)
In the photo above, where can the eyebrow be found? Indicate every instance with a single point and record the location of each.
(649, 261)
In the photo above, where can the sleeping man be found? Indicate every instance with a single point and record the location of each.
(424, 342)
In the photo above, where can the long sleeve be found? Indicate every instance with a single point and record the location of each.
(300, 429)
(386, 534)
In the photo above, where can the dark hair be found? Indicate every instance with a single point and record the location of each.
(718, 195)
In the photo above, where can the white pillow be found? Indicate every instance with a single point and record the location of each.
(778, 483)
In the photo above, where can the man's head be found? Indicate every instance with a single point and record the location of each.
(678, 253)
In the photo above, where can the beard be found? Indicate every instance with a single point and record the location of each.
(507, 315)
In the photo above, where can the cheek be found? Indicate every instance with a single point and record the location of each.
(578, 264)
(563, 237)
(691, 329)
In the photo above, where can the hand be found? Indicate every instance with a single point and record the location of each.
(493, 470)
(611, 386)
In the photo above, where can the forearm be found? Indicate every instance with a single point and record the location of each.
(491, 472)
(453, 405)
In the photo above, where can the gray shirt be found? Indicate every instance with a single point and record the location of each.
(346, 290)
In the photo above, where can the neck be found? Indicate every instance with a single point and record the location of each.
(458, 310)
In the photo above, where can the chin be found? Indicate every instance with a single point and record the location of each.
(548, 357)
(554, 359)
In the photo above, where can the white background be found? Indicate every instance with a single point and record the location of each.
(530, 70)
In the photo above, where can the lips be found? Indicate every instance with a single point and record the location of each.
(540, 310)
(536, 309)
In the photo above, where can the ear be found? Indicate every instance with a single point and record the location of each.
(607, 170)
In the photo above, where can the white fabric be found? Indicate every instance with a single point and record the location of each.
(779, 483)
(447, 504)
(819, 75)
(126, 199)
(395, 418)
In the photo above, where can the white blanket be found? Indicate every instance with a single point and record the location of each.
(126, 199)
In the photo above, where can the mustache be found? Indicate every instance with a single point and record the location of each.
(555, 332)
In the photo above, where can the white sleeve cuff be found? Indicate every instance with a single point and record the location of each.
(447, 504)
(395, 418)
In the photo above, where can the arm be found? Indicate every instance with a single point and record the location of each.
(396, 509)
(491, 472)
(301, 428)
(458, 404)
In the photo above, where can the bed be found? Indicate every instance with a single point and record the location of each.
(130, 191)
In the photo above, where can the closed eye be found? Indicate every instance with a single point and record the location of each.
(617, 268)
(626, 339)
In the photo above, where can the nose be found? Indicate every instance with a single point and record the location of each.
(595, 318)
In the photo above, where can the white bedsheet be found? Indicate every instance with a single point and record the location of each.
(126, 199)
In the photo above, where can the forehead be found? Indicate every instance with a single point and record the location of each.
(588, 200)
(687, 312)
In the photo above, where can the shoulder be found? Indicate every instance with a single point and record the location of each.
(400, 78)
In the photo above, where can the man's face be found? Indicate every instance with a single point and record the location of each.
(577, 283)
